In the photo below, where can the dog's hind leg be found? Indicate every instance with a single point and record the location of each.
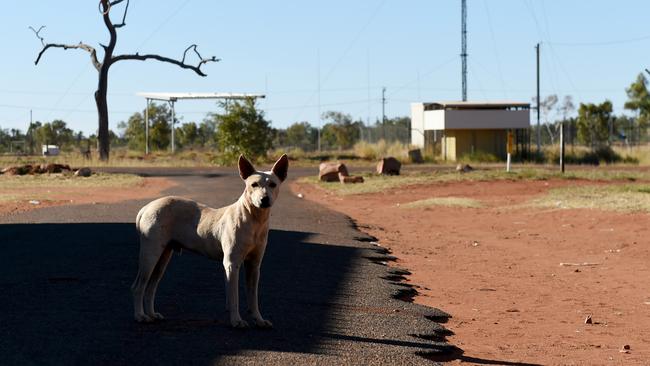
(154, 280)
(252, 267)
(150, 253)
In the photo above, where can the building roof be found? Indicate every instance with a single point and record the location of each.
(177, 96)
(504, 104)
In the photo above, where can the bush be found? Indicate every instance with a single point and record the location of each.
(479, 157)
(381, 149)
(586, 156)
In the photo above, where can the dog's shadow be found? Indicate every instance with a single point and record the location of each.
(66, 298)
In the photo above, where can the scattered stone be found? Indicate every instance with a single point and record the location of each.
(83, 172)
(35, 202)
(475, 243)
(464, 168)
(416, 156)
(300, 195)
(625, 348)
(346, 179)
(329, 172)
(583, 264)
(389, 166)
(17, 170)
(588, 320)
(35, 169)
(53, 168)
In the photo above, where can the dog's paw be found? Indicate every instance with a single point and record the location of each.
(263, 323)
(157, 316)
(239, 323)
(143, 318)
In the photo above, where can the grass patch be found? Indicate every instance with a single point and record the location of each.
(378, 183)
(99, 180)
(623, 197)
(444, 201)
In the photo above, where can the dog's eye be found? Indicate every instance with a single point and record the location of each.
(272, 185)
(255, 185)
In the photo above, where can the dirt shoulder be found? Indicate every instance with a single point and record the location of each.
(23, 193)
(497, 269)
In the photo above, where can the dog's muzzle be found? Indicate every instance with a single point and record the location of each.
(266, 202)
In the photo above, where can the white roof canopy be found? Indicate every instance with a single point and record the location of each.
(172, 97)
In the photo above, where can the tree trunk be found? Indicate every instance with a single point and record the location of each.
(102, 112)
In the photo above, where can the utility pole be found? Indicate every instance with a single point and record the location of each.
(539, 129)
(171, 103)
(31, 133)
(562, 146)
(319, 116)
(463, 51)
(383, 112)
(146, 128)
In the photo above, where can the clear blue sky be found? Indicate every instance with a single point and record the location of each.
(591, 50)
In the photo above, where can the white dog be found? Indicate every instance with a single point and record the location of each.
(234, 234)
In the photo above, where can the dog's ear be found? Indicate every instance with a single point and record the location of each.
(246, 169)
(281, 167)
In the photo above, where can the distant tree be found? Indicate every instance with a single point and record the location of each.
(624, 128)
(54, 133)
(207, 133)
(340, 131)
(392, 129)
(242, 129)
(302, 135)
(188, 135)
(593, 123)
(103, 66)
(159, 128)
(639, 102)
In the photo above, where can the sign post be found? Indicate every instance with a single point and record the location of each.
(509, 150)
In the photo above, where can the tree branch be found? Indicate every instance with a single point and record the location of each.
(196, 68)
(38, 33)
(126, 10)
(80, 45)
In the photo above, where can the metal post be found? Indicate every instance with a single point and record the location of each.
(539, 129)
(31, 133)
(562, 146)
(146, 128)
(463, 52)
(383, 112)
(173, 121)
(320, 123)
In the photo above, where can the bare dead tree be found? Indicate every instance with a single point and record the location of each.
(108, 59)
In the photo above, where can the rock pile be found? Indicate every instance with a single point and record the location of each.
(389, 166)
(45, 168)
(332, 172)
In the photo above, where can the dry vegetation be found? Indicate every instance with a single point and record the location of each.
(44, 186)
(377, 183)
(616, 197)
(443, 201)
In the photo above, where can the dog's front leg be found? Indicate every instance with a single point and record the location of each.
(232, 289)
(252, 267)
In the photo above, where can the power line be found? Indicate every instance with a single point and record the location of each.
(495, 48)
(601, 43)
(345, 52)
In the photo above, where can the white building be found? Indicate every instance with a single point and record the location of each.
(468, 128)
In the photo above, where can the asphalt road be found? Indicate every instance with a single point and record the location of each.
(65, 274)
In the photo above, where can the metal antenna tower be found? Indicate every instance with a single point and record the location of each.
(463, 52)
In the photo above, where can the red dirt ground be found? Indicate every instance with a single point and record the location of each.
(150, 187)
(497, 270)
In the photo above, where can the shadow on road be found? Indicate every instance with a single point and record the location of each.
(66, 299)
